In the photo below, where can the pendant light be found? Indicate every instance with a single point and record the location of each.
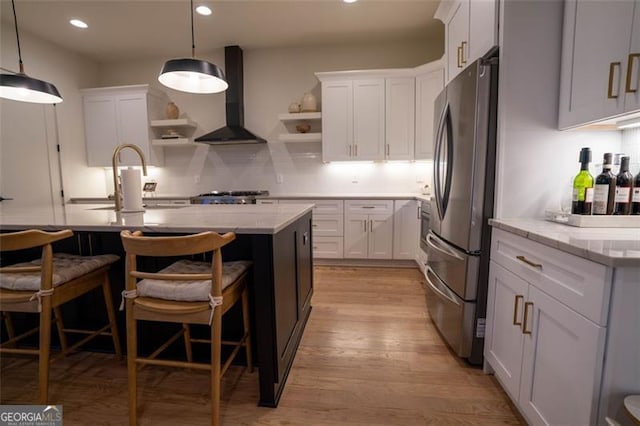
(192, 75)
(21, 87)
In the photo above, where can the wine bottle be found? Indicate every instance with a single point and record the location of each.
(583, 185)
(624, 184)
(605, 188)
(635, 197)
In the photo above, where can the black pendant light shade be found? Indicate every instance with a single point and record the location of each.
(193, 76)
(20, 87)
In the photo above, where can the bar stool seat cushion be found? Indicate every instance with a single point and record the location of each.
(190, 291)
(66, 267)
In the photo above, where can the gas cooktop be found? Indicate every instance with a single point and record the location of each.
(228, 197)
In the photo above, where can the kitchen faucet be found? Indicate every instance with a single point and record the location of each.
(114, 162)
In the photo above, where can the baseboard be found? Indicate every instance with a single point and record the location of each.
(381, 263)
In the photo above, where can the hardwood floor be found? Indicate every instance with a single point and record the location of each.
(369, 356)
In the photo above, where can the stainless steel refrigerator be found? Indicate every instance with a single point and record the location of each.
(459, 240)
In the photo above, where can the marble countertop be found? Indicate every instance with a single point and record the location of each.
(241, 219)
(615, 247)
(350, 196)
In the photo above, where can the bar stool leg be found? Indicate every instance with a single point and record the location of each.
(132, 354)
(216, 348)
(247, 327)
(60, 326)
(108, 301)
(45, 349)
(8, 323)
(187, 341)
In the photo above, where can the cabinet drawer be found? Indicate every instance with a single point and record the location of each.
(327, 225)
(582, 285)
(369, 206)
(321, 206)
(328, 247)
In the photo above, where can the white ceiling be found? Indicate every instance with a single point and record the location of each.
(121, 29)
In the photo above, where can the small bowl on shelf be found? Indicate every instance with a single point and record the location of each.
(303, 127)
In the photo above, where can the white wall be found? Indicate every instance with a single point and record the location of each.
(273, 78)
(536, 162)
(29, 169)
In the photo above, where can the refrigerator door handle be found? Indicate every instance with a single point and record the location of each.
(437, 161)
(434, 287)
(448, 126)
(441, 247)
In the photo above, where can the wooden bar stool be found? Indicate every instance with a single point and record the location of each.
(42, 286)
(186, 292)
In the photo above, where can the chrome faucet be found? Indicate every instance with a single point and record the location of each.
(114, 163)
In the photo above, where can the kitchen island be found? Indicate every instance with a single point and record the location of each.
(277, 239)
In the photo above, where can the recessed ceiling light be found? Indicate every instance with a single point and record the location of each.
(78, 23)
(349, 1)
(203, 10)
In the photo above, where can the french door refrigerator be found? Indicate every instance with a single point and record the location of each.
(459, 240)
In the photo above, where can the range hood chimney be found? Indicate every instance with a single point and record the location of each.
(234, 132)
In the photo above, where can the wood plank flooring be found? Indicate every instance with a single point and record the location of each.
(369, 356)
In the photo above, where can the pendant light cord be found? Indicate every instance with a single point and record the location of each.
(15, 20)
(193, 43)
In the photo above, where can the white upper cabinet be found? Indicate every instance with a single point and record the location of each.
(429, 84)
(400, 118)
(470, 31)
(119, 115)
(368, 119)
(600, 74)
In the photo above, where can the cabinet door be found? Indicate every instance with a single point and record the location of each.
(428, 87)
(457, 36)
(355, 236)
(368, 119)
(101, 129)
(503, 343)
(483, 31)
(400, 118)
(133, 126)
(595, 49)
(304, 267)
(328, 247)
(380, 237)
(561, 365)
(632, 90)
(337, 120)
(406, 229)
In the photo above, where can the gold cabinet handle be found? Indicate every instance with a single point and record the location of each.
(612, 67)
(630, 62)
(459, 56)
(349, 150)
(356, 150)
(388, 150)
(525, 320)
(516, 302)
(528, 262)
(462, 61)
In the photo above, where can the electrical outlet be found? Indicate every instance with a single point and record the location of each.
(279, 178)
(196, 179)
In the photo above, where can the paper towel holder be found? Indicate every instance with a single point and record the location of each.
(115, 162)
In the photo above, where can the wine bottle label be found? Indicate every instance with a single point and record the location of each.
(588, 195)
(622, 194)
(636, 195)
(600, 199)
(578, 194)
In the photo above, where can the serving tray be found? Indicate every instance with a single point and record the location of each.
(583, 221)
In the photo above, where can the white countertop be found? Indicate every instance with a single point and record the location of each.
(350, 196)
(241, 219)
(614, 247)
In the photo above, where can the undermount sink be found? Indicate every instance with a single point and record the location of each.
(145, 207)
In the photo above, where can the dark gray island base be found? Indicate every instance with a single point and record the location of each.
(280, 294)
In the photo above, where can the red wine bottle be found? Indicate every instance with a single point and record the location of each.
(635, 197)
(605, 188)
(624, 184)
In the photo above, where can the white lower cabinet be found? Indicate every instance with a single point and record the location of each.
(368, 229)
(548, 355)
(406, 229)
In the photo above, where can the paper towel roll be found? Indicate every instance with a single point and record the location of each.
(131, 190)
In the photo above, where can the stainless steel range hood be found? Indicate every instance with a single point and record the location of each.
(234, 132)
